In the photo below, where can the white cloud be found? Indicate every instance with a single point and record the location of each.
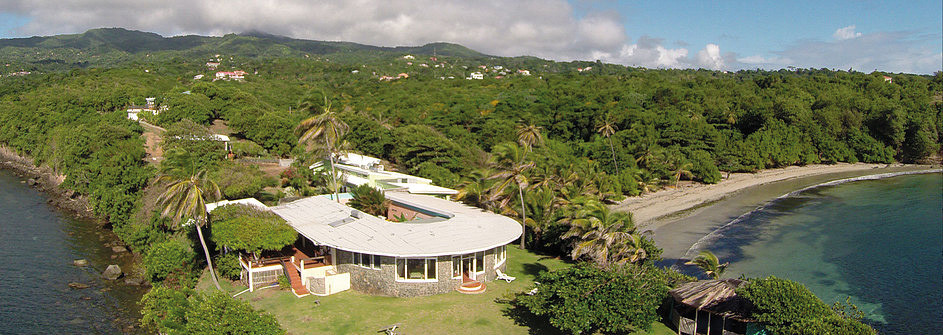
(846, 33)
(710, 57)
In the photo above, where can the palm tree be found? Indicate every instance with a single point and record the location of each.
(473, 190)
(607, 128)
(185, 199)
(329, 128)
(682, 170)
(369, 200)
(604, 236)
(708, 262)
(529, 136)
(509, 161)
(542, 206)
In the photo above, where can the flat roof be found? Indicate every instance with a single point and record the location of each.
(463, 230)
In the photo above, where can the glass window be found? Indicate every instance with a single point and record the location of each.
(400, 268)
(376, 261)
(500, 254)
(456, 266)
(480, 261)
(430, 268)
(355, 258)
(415, 268)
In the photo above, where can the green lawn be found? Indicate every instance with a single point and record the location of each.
(351, 312)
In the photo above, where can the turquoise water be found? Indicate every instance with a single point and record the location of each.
(37, 246)
(879, 242)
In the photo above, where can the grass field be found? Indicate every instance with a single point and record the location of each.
(351, 312)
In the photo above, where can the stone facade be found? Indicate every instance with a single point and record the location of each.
(383, 281)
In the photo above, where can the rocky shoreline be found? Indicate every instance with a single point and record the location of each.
(45, 180)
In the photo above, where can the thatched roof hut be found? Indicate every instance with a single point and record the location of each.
(716, 298)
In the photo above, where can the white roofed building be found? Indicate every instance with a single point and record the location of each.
(359, 169)
(441, 247)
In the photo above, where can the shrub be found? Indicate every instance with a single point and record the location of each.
(703, 167)
(167, 257)
(164, 309)
(247, 149)
(787, 307)
(238, 181)
(283, 282)
(369, 200)
(588, 299)
(243, 227)
(227, 265)
(218, 313)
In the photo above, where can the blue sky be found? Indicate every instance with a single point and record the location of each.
(888, 36)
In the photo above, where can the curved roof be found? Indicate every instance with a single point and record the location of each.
(459, 229)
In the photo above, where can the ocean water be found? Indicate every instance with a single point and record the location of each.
(879, 242)
(37, 246)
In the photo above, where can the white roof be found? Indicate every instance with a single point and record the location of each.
(459, 230)
(358, 160)
(247, 201)
(416, 188)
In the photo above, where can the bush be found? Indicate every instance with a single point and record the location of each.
(164, 309)
(703, 167)
(587, 299)
(787, 307)
(247, 149)
(167, 257)
(243, 227)
(227, 265)
(283, 282)
(218, 313)
(238, 181)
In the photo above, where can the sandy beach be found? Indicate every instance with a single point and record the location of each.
(680, 216)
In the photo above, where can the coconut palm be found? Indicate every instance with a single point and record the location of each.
(473, 190)
(369, 200)
(606, 127)
(708, 262)
(604, 236)
(529, 136)
(682, 170)
(508, 160)
(542, 204)
(184, 200)
(329, 129)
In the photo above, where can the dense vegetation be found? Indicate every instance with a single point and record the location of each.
(787, 308)
(551, 148)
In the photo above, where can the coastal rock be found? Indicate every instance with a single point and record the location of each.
(31, 182)
(80, 262)
(133, 281)
(113, 272)
(119, 249)
(78, 286)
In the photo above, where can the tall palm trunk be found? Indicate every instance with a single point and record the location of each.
(520, 190)
(613, 154)
(209, 262)
(330, 157)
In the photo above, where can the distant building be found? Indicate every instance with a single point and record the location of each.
(234, 75)
(888, 79)
(403, 75)
(212, 65)
(523, 72)
(409, 57)
(476, 75)
(198, 77)
(149, 107)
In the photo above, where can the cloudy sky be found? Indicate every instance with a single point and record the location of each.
(862, 35)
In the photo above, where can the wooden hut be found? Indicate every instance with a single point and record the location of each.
(712, 307)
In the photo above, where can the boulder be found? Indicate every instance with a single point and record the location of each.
(113, 272)
(80, 262)
(119, 249)
(78, 286)
(31, 182)
(133, 281)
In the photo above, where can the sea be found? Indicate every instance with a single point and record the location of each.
(38, 244)
(876, 240)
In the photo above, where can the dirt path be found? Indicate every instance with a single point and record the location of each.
(152, 136)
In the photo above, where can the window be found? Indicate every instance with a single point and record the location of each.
(480, 261)
(500, 255)
(456, 266)
(416, 269)
(366, 260)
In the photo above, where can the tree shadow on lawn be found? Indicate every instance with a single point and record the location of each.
(534, 269)
(523, 317)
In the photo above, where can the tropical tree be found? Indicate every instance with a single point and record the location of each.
(605, 236)
(329, 129)
(184, 201)
(607, 127)
(369, 200)
(542, 206)
(708, 262)
(508, 160)
(528, 135)
(473, 189)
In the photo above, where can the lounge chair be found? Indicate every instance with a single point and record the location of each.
(504, 276)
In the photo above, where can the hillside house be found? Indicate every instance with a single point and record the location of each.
(476, 75)
(888, 80)
(449, 246)
(359, 170)
(149, 107)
